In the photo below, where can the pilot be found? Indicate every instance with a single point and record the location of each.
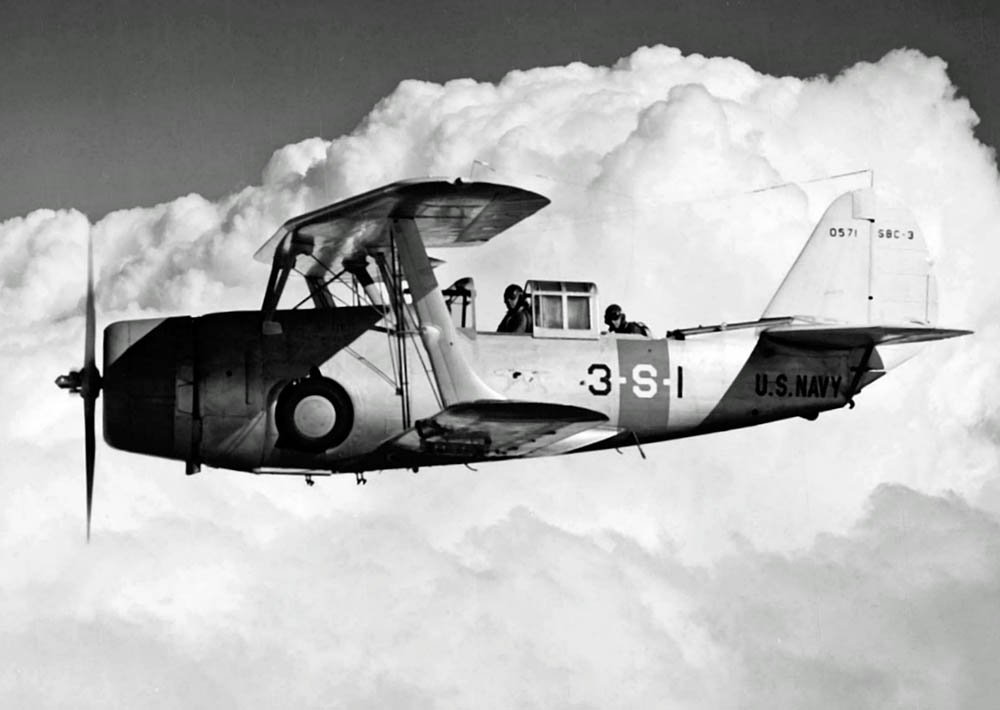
(614, 318)
(518, 316)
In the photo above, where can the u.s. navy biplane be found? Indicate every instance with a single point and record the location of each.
(396, 375)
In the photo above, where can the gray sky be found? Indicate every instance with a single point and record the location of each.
(107, 105)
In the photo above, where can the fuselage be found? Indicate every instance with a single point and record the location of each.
(206, 389)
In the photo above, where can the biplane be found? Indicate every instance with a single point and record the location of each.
(387, 369)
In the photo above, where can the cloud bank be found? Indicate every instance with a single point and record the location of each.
(850, 562)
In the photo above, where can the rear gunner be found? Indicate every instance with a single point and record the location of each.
(614, 318)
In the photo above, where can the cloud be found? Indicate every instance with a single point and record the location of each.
(895, 614)
(361, 611)
(733, 571)
(33, 253)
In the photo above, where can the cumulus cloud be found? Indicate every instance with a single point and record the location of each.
(898, 612)
(761, 568)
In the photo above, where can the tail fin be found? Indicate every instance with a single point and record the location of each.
(866, 263)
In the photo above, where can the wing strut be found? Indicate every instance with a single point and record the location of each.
(456, 380)
(399, 306)
(281, 267)
(319, 292)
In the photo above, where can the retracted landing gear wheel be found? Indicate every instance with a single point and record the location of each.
(313, 414)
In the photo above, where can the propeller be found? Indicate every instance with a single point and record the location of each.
(86, 381)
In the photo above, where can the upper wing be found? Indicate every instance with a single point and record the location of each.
(446, 214)
(500, 429)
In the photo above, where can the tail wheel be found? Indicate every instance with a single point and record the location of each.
(313, 414)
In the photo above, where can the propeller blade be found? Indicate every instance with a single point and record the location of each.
(91, 381)
(88, 345)
(88, 432)
(86, 381)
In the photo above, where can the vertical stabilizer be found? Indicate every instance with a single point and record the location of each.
(865, 263)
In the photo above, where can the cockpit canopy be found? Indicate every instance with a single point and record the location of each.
(559, 309)
(563, 309)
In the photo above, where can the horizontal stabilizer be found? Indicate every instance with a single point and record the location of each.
(838, 337)
(498, 429)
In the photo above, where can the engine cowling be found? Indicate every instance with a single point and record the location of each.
(149, 387)
(201, 389)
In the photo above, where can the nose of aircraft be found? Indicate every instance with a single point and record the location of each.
(149, 386)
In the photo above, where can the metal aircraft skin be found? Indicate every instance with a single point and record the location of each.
(403, 379)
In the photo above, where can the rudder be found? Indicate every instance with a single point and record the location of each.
(866, 263)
